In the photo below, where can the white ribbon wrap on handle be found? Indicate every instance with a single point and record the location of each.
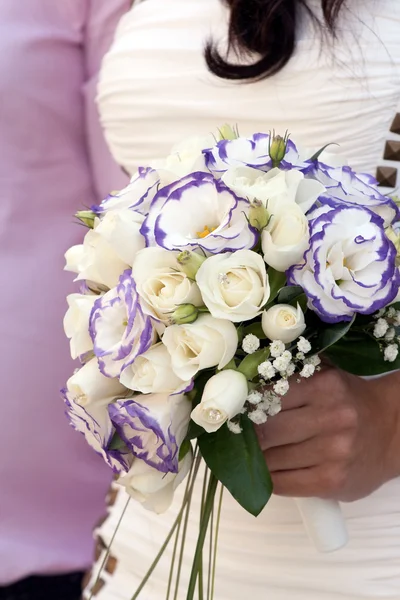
(324, 522)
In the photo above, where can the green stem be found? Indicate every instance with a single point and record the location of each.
(171, 571)
(212, 486)
(180, 560)
(216, 542)
(188, 492)
(203, 499)
(107, 554)
(159, 555)
(200, 580)
(210, 554)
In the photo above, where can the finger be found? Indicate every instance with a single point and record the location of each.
(293, 427)
(307, 454)
(305, 392)
(323, 481)
(297, 397)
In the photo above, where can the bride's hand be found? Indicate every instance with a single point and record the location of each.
(337, 436)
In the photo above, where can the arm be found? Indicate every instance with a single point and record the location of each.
(338, 436)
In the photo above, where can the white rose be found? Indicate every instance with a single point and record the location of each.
(223, 398)
(185, 157)
(208, 342)
(73, 258)
(152, 488)
(76, 323)
(283, 322)
(88, 385)
(151, 373)
(121, 229)
(235, 285)
(95, 260)
(108, 249)
(161, 283)
(286, 238)
(274, 187)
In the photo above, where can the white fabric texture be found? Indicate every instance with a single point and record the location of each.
(154, 91)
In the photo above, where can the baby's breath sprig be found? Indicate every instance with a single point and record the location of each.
(386, 330)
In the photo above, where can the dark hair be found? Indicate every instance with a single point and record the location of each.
(266, 28)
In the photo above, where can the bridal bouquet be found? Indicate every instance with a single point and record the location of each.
(208, 286)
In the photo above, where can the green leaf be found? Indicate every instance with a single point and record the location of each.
(301, 301)
(239, 464)
(185, 448)
(230, 366)
(249, 365)
(328, 335)
(255, 329)
(277, 281)
(116, 443)
(194, 431)
(319, 152)
(359, 354)
(289, 293)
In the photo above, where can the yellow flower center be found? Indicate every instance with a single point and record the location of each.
(206, 231)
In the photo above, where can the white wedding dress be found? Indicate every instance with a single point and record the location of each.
(154, 91)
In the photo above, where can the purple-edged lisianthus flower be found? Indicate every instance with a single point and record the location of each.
(94, 422)
(345, 186)
(137, 195)
(118, 327)
(153, 427)
(350, 266)
(247, 152)
(199, 212)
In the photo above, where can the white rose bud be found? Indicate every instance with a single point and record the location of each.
(283, 322)
(153, 489)
(223, 398)
(89, 385)
(206, 343)
(73, 258)
(76, 323)
(151, 373)
(286, 238)
(234, 285)
(95, 260)
(121, 229)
